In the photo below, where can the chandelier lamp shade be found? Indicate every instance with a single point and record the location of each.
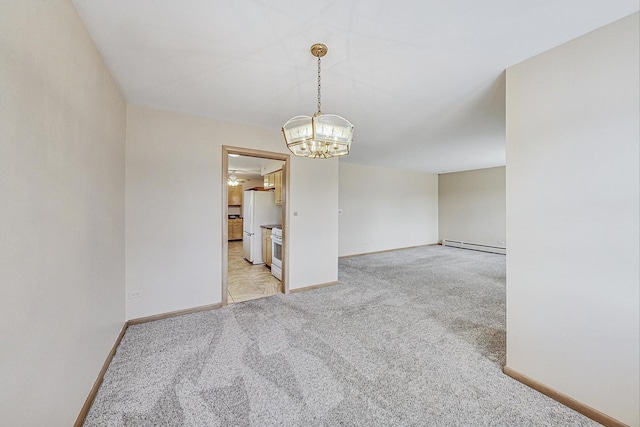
(320, 136)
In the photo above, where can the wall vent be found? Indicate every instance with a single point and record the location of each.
(474, 246)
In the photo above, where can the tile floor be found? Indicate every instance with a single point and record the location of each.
(247, 281)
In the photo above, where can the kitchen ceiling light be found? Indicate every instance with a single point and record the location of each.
(233, 180)
(321, 136)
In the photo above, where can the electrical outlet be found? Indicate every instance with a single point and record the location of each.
(134, 294)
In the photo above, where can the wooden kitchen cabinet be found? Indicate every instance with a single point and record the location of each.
(266, 246)
(268, 260)
(274, 180)
(235, 229)
(235, 195)
(269, 181)
(278, 187)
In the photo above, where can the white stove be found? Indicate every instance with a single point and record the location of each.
(276, 253)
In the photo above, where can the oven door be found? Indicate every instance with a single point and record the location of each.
(276, 256)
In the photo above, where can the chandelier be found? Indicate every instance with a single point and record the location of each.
(233, 180)
(321, 136)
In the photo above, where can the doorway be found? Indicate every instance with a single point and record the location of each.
(235, 266)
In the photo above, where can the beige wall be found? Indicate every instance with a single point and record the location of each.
(174, 210)
(386, 209)
(573, 317)
(472, 206)
(62, 147)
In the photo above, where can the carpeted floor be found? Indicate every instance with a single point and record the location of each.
(408, 338)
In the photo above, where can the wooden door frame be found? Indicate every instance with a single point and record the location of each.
(270, 155)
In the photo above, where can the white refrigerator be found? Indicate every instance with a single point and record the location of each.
(259, 208)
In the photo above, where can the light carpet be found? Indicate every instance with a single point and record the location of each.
(413, 337)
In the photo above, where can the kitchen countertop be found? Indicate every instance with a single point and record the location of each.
(270, 226)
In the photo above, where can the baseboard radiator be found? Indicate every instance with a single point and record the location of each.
(474, 246)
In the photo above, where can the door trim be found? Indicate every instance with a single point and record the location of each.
(250, 152)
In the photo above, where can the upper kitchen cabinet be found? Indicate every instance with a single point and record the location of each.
(269, 181)
(235, 195)
(274, 180)
(278, 187)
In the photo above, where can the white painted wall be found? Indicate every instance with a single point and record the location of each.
(174, 210)
(62, 146)
(313, 220)
(271, 166)
(386, 209)
(572, 219)
(472, 206)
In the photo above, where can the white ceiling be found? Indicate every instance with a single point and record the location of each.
(247, 167)
(422, 81)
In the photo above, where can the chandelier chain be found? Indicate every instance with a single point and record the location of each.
(319, 103)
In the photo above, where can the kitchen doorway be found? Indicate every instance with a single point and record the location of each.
(235, 267)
